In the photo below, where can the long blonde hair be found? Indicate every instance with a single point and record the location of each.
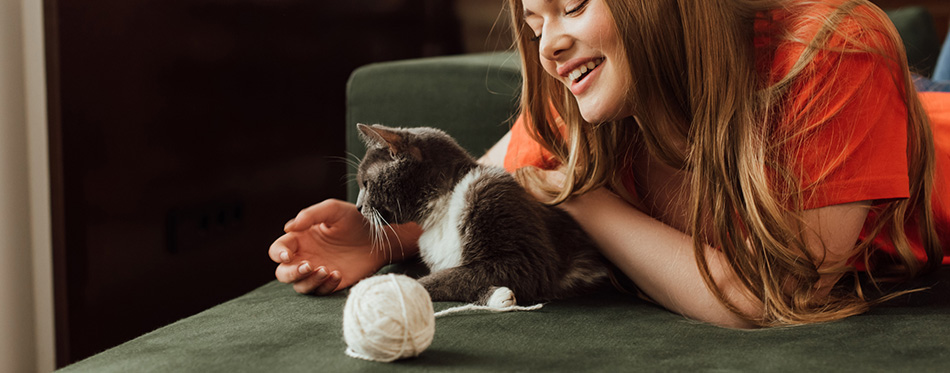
(696, 83)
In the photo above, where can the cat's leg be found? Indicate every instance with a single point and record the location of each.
(466, 285)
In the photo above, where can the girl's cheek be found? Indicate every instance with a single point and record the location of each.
(549, 67)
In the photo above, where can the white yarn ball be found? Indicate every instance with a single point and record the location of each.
(387, 318)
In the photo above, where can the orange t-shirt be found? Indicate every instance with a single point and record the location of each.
(857, 153)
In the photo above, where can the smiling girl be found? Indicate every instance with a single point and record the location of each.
(734, 158)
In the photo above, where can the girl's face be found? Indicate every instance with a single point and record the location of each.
(579, 47)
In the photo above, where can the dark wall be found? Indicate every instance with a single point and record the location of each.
(185, 133)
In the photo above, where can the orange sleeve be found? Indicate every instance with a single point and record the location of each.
(523, 150)
(853, 125)
(853, 146)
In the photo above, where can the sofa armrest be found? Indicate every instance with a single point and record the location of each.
(472, 97)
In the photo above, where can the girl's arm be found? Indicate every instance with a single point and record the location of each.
(496, 155)
(661, 260)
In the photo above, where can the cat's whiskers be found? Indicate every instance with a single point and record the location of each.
(373, 232)
(399, 207)
(351, 160)
(378, 231)
(380, 238)
(402, 253)
(372, 235)
(386, 236)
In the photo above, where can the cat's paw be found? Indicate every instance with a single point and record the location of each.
(501, 297)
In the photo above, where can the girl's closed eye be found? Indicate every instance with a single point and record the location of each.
(572, 10)
(577, 9)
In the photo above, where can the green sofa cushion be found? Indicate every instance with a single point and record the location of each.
(273, 329)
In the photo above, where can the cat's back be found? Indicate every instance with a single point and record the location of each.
(497, 200)
(545, 244)
(494, 189)
(498, 205)
(488, 206)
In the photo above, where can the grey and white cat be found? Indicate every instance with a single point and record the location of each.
(484, 236)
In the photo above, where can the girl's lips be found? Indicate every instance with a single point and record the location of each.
(580, 86)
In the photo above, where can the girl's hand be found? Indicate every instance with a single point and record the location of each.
(327, 247)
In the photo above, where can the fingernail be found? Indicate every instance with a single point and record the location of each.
(284, 257)
(304, 268)
(289, 223)
(321, 273)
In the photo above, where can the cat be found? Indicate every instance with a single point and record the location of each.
(485, 239)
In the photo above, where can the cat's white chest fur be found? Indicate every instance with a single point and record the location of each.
(441, 242)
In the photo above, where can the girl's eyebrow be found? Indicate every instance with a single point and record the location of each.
(529, 13)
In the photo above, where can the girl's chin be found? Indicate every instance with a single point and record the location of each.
(601, 109)
(600, 116)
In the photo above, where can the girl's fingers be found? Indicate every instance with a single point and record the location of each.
(330, 284)
(309, 284)
(283, 249)
(299, 272)
(315, 280)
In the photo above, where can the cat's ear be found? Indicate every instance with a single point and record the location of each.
(383, 136)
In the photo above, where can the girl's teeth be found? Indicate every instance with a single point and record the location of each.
(583, 69)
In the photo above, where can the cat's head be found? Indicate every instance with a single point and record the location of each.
(404, 169)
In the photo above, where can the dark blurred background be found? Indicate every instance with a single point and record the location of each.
(184, 133)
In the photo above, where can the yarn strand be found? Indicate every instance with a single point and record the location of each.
(475, 307)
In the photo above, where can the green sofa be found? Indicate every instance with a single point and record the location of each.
(473, 97)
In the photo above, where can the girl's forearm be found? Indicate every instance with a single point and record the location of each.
(661, 260)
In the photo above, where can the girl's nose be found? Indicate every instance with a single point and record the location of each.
(554, 41)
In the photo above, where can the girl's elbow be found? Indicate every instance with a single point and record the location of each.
(743, 320)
